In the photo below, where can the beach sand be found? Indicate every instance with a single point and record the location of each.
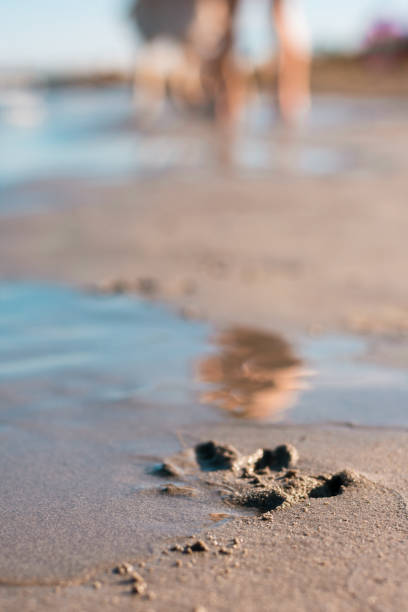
(346, 552)
(289, 252)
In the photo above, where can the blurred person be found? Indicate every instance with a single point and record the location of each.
(205, 33)
(186, 51)
(163, 65)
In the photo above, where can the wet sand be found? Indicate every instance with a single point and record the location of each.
(288, 252)
(341, 552)
(327, 254)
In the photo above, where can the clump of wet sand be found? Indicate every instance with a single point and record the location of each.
(166, 469)
(144, 285)
(267, 479)
(262, 480)
(175, 491)
(271, 493)
(213, 456)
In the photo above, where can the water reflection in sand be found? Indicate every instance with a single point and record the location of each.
(253, 374)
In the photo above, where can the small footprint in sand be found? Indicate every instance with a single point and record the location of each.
(266, 480)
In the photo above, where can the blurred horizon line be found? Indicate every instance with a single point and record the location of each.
(45, 45)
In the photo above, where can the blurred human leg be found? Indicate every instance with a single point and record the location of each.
(293, 61)
(214, 37)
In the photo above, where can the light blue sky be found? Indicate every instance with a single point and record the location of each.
(58, 34)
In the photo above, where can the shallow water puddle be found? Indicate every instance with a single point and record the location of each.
(92, 134)
(95, 347)
(60, 346)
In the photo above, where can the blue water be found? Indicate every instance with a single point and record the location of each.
(75, 133)
(60, 347)
(91, 133)
(59, 343)
(348, 387)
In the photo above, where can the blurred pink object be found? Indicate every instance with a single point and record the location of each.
(386, 43)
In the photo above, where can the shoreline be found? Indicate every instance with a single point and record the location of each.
(276, 276)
